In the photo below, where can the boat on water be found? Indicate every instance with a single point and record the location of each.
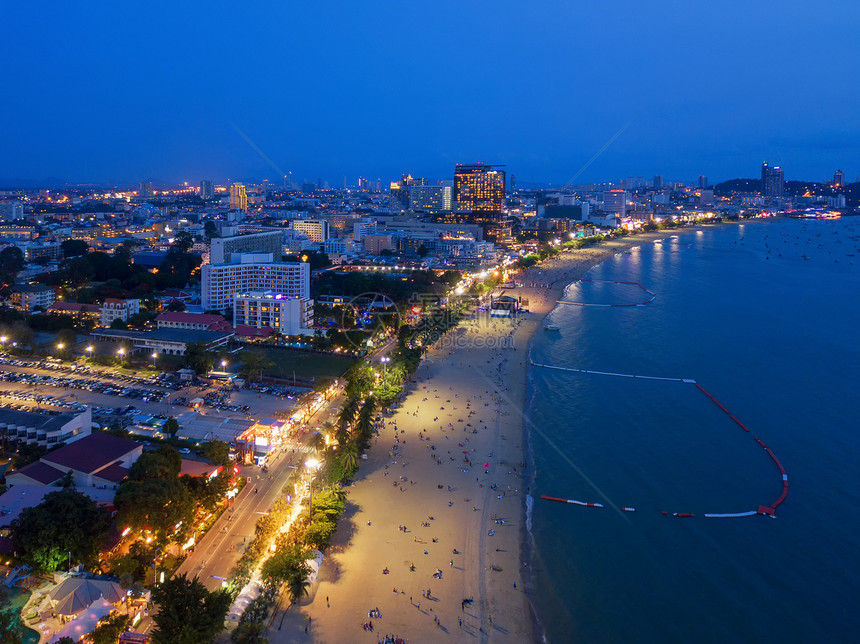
(551, 327)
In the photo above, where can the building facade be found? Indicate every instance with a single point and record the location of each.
(772, 181)
(286, 315)
(116, 309)
(317, 230)
(26, 297)
(238, 197)
(221, 249)
(615, 202)
(220, 282)
(480, 188)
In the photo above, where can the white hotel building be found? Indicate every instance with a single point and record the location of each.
(286, 315)
(252, 273)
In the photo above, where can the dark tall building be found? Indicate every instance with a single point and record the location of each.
(207, 190)
(146, 189)
(658, 182)
(772, 181)
(513, 185)
(838, 179)
(703, 181)
(480, 189)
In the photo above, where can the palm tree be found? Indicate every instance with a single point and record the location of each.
(347, 415)
(298, 584)
(364, 424)
(348, 457)
(317, 441)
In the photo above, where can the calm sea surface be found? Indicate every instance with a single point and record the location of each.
(765, 316)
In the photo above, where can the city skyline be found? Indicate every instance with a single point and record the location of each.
(350, 91)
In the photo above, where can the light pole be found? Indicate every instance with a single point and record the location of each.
(89, 351)
(384, 360)
(313, 465)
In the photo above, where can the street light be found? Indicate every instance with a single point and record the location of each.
(121, 351)
(313, 465)
(223, 364)
(154, 355)
(90, 350)
(384, 360)
(60, 346)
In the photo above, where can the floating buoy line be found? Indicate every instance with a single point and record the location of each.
(651, 293)
(762, 510)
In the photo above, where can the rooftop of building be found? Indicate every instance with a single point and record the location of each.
(92, 452)
(167, 335)
(40, 472)
(46, 422)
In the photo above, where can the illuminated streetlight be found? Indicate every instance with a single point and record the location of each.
(384, 360)
(121, 351)
(223, 364)
(154, 355)
(60, 346)
(3, 339)
(90, 350)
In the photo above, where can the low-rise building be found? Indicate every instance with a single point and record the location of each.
(192, 321)
(26, 297)
(98, 460)
(44, 429)
(167, 341)
(81, 311)
(116, 309)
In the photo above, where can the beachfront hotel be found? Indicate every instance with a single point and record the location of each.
(253, 272)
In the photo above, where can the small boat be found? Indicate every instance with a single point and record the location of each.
(551, 327)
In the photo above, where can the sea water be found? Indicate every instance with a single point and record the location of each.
(765, 316)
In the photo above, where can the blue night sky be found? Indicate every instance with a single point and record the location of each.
(124, 91)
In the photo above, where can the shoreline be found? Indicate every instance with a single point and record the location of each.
(566, 274)
(475, 379)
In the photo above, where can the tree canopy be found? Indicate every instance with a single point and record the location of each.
(66, 524)
(187, 612)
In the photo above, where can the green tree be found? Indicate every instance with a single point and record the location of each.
(208, 493)
(423, 251)
(11, 629)
(76, 272)
(364, 422)
(118, 323)
(198, 358)
(109, 630)
(210, 230)
(64, 522)
(11, 260)
(182, 242)
(171, 426)
(162, 463)
(346, 416)
(347, 458)
(287, 562)
(217, 452)
(254, 363)
(158, 505)
(74, 247)
(187, 612)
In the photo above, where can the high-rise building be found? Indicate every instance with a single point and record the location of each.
(219, 283)
(703, 181)
(207, 190)
(480, 189)
(658, 182)
(146, 189)
(317, 230)
(772, 181)
(238, 197)
(838, 179)
(615, 202)
(513, 185)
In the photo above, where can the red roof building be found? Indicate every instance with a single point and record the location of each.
(193, 321)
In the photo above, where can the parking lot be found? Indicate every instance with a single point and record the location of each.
(112, 400)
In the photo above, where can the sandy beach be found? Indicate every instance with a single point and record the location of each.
(437, 512)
